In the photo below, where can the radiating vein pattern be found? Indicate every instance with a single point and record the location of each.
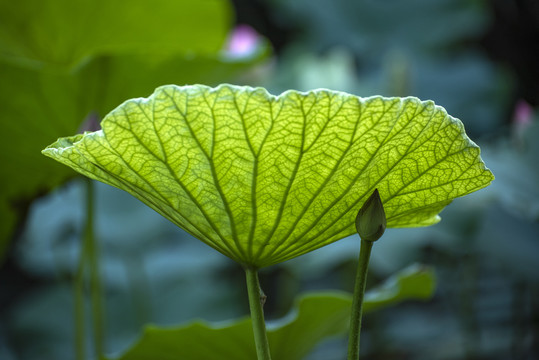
(265, 178)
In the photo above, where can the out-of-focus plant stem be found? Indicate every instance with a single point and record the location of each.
(88, 259)
(95, 275)
(78, 297)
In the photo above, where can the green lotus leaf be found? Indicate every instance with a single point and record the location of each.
(265, 178)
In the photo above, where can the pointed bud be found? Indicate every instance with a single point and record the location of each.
(371, 218)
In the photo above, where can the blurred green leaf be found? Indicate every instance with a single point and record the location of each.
(264, 179)
(316, 317)
(414, 282)
(423, 48)
(118, 83)
(64, 32)
(35, 106)
(44, 94)
(423, 26)
(516, 162)
(518, 256)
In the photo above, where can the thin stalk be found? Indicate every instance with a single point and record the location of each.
(467, 313)
(139, 288)
(92, 254)
(78, 297)
(357, 303)
(256, 303)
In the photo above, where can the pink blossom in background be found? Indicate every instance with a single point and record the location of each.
(92, 122)
(523, 113)
(243, 41)
(522, 119)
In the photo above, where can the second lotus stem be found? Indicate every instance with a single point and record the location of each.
(357, 303)
(370, 225)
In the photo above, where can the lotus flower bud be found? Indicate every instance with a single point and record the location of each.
(371, 218)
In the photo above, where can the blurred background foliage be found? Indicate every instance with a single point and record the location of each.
(64, 64)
